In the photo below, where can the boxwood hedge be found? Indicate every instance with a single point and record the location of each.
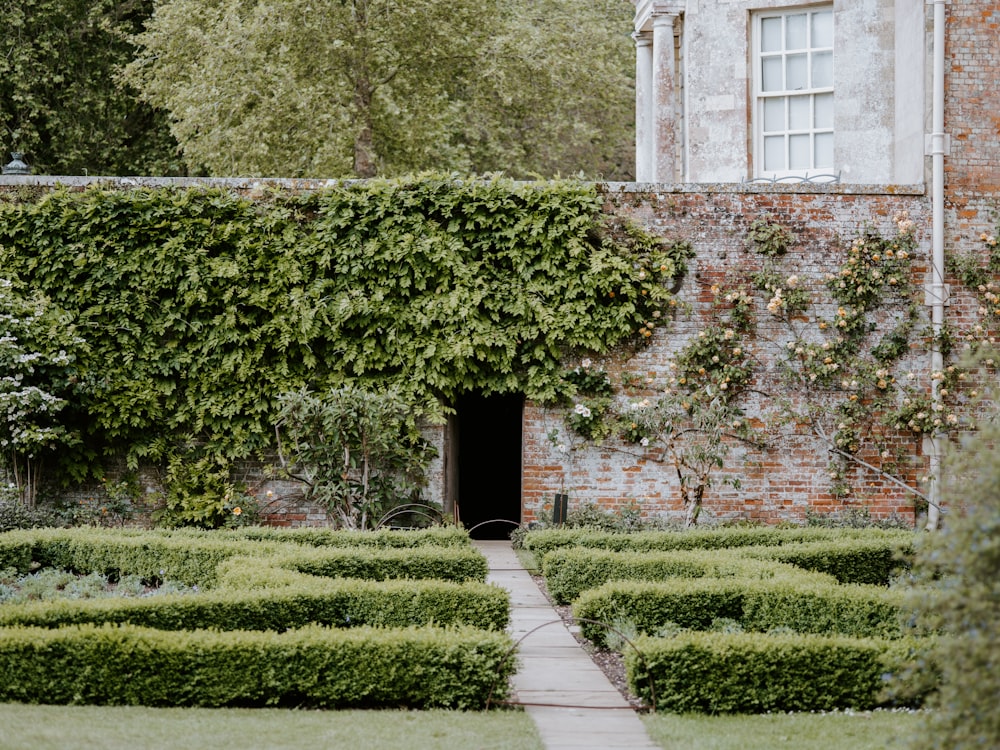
(309, 667)
(196, 560)
(718, 673)
(569, 572)
(757, 605)
(340, 603)
(542, 541)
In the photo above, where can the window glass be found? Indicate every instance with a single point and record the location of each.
(796, 72)
(799, 156)
(774, 114)
(824, 150)
(771, 69)
(823, 111)
(799, 112)
(822, 70)
(770, 35)
(795, 31)
(822, 29)
(774, 153)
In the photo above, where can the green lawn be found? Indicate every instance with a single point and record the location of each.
(28, 727)
(871, 730)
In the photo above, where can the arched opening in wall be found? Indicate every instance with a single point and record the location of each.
(486, 446)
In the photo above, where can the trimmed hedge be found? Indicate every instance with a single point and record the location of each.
(344, 603)
(311, 667)
(569, 572)
(757, 605)
(542, 541)
(718, 673)
(195, 561)
(850, 560)
(87, 550)
(437, 536)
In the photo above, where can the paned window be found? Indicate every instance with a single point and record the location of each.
(793, 88)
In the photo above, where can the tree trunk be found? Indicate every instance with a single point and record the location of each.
(364, 149)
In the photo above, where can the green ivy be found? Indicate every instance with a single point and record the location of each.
(201, 307)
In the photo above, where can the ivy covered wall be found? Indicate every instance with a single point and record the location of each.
(759, 351)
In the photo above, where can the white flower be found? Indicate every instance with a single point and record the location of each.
(585, 364)
(644, 442)
(582, 410)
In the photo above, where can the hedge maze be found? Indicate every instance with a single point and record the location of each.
(746, 620)
(311, 618)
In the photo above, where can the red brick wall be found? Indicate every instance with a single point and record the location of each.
(779, 484)
(972, 118)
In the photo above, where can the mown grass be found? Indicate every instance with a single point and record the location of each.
(867, 730)
(31, 727)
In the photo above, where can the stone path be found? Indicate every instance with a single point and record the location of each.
(569, 698)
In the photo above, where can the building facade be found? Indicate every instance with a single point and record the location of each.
(826, 118)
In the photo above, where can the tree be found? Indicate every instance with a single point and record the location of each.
(59, 102)
(959, 593)
(356, 451)
(37, 345)
(366, 87)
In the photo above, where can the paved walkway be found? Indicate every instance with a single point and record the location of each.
(572, 702)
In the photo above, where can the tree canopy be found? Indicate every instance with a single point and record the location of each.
(381, 87)
(59, 102)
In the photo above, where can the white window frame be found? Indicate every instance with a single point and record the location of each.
(793, 119)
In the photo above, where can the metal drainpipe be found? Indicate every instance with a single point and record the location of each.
(938, 290)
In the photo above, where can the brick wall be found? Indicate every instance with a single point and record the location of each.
(778, 484)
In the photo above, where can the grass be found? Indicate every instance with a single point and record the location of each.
(129, 727)
(866, 730)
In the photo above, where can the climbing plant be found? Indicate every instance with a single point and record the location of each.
(841, 345)
(201, 306)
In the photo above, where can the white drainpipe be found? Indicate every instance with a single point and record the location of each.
(938, 291)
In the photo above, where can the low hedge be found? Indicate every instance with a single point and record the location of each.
(569, 572)
(444, 563)
(341, 603)
(718, 673)
(542, 541)
(109, 552)
(756, 605)
(195, 561)
(312, 667)
(850, 560)
(436, 536)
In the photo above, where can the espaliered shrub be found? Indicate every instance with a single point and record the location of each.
(310, 667)
(717, 673)
(850, 560)
(542, 541)
(344, 603)
(568, 572)
(757, 605)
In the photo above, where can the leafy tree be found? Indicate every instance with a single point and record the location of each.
(366, 87)
(37, 351)
(960, 595)
(59, 102)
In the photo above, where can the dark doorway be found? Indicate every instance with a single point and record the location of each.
(489, 463)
